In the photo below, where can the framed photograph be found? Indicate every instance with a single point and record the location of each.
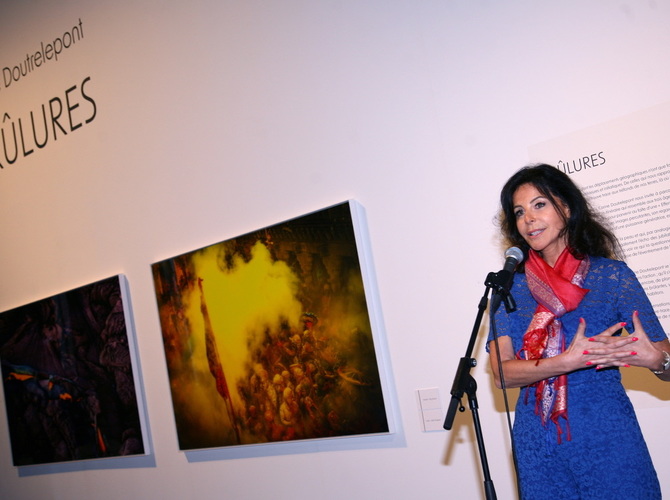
(270, 336)
(69, 377)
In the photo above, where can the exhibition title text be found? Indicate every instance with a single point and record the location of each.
(23, 132)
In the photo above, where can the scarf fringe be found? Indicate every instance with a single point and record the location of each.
(557, 290)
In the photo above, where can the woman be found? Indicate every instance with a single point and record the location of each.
(576, 434)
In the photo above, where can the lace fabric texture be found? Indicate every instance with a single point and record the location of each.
(607, 456)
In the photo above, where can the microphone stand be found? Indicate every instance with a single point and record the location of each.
(464, 383)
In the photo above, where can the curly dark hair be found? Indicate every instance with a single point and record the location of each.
(586, 230)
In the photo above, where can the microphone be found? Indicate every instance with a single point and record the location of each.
(503, 279)
(513, 257)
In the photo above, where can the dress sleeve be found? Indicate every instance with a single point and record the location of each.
(632, 297)
(514, 324)
(501, 323)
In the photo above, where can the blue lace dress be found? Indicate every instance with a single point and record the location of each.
(607, 456)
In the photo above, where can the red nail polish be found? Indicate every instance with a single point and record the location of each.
(622, 324)
(626, 366)
(591, 339)
(585, 352)
(633, 353)
(635, 339)
(589, 363)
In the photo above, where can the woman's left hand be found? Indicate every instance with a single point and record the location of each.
(633, 350)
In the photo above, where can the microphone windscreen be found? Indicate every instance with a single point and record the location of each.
(515, 253)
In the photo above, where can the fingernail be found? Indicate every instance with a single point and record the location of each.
(589, 363)
(585, 352)
(622, 324)
(633, 353)
(591, 339)
(636, 313)
(626, 366)
(635, 339)
(581, 320)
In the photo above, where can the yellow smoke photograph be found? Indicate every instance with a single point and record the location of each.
(268, 336)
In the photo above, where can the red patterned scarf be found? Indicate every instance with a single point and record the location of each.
(557, 290)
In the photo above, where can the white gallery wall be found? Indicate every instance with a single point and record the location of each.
(195, 122)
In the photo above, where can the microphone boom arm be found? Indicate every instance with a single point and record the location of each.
(500, 283)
